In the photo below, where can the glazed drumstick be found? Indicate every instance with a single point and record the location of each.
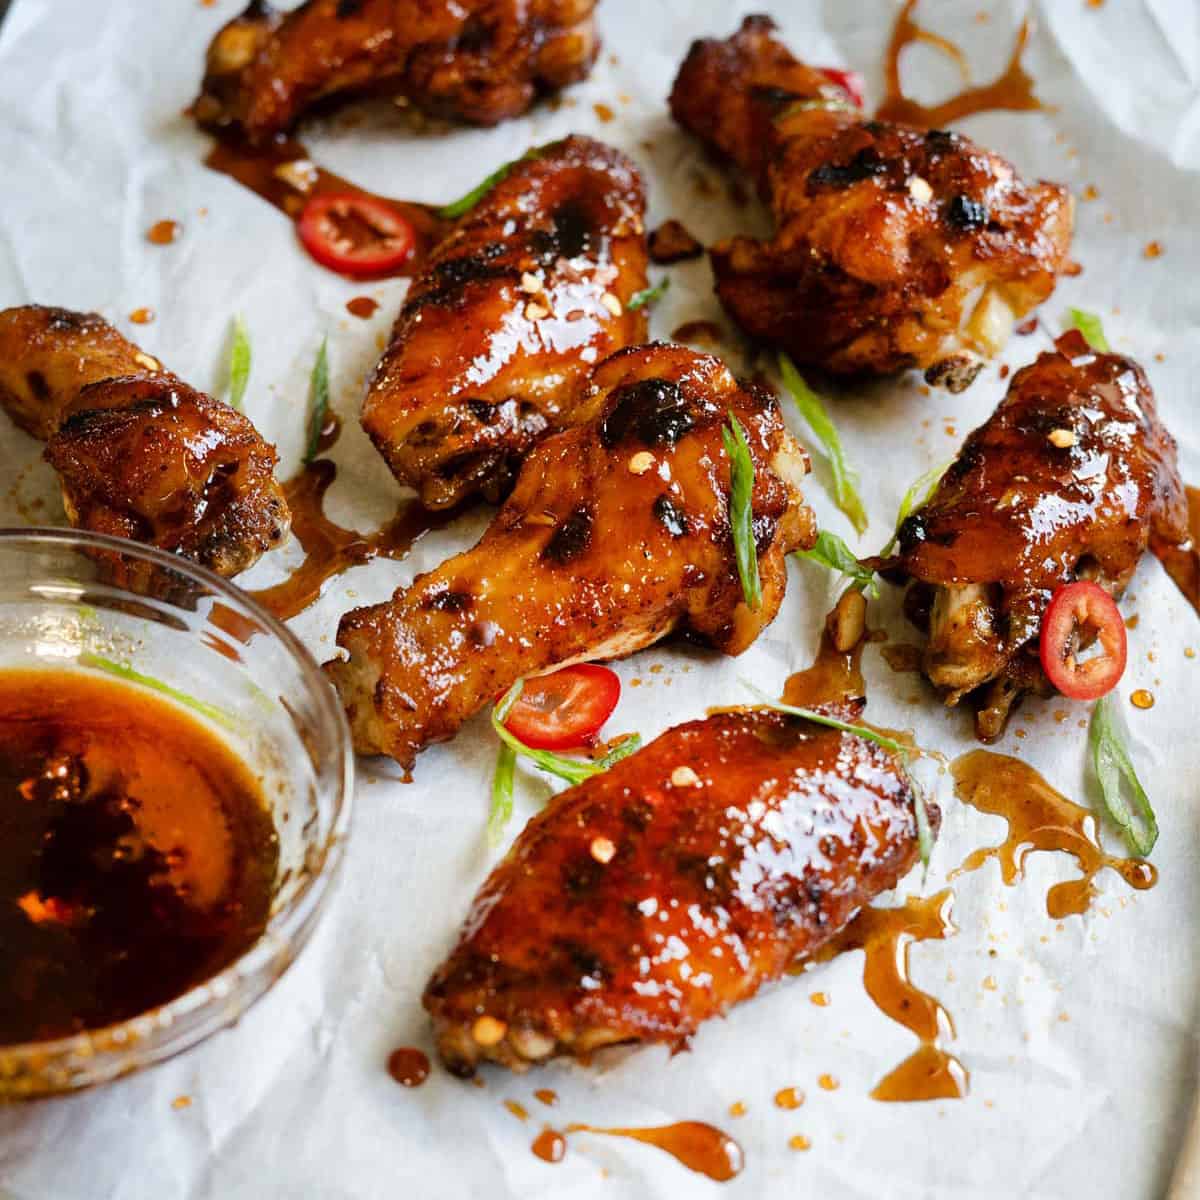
(672, 887)
(884, 232)
(1070, 478)
(527, 292)
(481, 61)
(616, 534)
(140, 453)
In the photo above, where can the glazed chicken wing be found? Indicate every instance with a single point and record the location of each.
(476, 60)
(1070, 478)
(885, 233)
(672, 887)
(140, 453)
(523, 297)
(616, 534)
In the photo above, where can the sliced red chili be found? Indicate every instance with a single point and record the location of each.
(565, 709)
(356, 235)
(1078, 614)
(851, 82)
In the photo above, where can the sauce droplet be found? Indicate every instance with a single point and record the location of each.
(142, 316)
(163, 233)
(737, 1109)
(827, 1083)
(604, 112)
(550, 1146)
(1153, 250)
(517, 1109)
(1039, 818)
(408, 1066)
(547, 1097)
(799, 1142)
(1142, 698)
(699, 1147)
(789, 1097)
(820, 999)
(362, 307)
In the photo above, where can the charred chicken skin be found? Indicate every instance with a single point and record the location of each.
(672, 887)
(616, 534)
(481, 61)
(140, 453)
(1070, 478)
(527, 292)
(885, 233)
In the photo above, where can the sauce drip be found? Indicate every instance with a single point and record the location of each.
(362, 306)
(329, 548)
(902, 656)
(1039, 818)
(1182, 562)
(547, 1097)
(163, 233)
(550, 1146)
(142, 316)
(1011, 91)
(789, 1098)
(137, 854)
(885, 935)
(283, 175)
(517, 1109)
(835, 676)
(699, 1147)
(408, 1066)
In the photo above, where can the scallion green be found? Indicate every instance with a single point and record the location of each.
(741, 509)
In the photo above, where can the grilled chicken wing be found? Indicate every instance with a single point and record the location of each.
(885, 233)
(1069, 478)
(477, 60)
(616, 534)
(526, 293)
(671, 887)
(141, 455)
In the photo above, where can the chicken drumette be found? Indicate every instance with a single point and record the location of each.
(526, 293)
(476, 60)
(140, 453)
(673, 886)
(1070, 478)
(885, 233)
(616, 534)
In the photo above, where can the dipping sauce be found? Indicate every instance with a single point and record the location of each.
(137, 853)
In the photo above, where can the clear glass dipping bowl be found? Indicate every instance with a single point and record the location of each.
(66, 593)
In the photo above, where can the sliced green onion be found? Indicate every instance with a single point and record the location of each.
(812, 409)
(649, 295)
(464, 204)
(830, 551)
(623, 749)
(741, 509)
(1114, 768)
(239, 363)
(1090, 325)
(319, 389)
(502, 793)
(924, 829)
(125, 671)
(917, 496)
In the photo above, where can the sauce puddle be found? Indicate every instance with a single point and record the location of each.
(1011, 91)
(885, 934)
(702, 1148)
(408, 1066)
(1039, 818)
(1182, 563)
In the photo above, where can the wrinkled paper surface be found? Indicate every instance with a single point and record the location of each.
(1078, 1035)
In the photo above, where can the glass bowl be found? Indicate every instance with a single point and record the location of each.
(66, 594)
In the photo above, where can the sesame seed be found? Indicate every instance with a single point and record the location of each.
(920, 190)
(641, 462)
(530, 283)
(488, 1031)
(602, 850)
(684, 777)
(535, 312)
(611, 303)
(1062, 438)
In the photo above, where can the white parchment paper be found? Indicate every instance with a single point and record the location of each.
(1079, 1036)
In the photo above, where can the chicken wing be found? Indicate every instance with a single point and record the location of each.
(672, 887)
(1069, 478)
(616, 534)
(522, 298)
(885, 233)
(140, 453)
(481, 61)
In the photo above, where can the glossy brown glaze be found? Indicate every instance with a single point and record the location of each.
(408, 1066)
(1182, 559)
(1012, 91)
(617, 534)
(1039, 818)
(723, 876)
(885, 232)
(885, 934)
(516, 304)
(476, 60)
(137, 855)
(140, 453)
(1018, 515)
(282, 173)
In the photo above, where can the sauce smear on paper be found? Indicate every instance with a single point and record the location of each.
(1039, 818)
(1182, 563)
(1012, 91)
(702, 1148)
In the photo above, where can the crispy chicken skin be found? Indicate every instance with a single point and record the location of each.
(885, 233)
(525, 294)
(140, 453)
(1070, 477)
(672, 887)
(481, 61)
(616, 534)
